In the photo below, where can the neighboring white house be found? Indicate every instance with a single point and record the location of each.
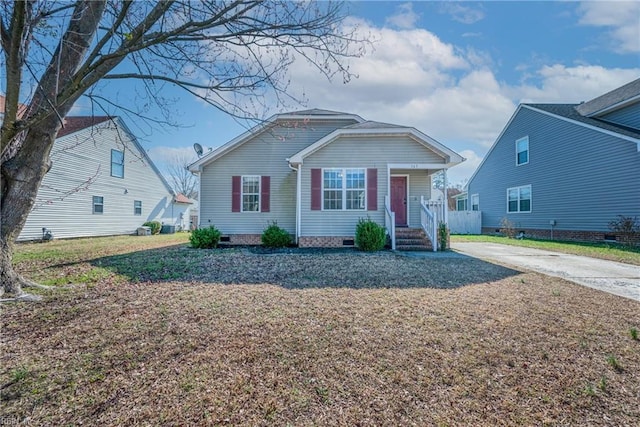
(101, 183)
(316, 173)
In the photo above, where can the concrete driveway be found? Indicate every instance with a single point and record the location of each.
(609, 276)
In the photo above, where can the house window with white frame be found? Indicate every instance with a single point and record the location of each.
(98, 204)
(251, 193)
(344, 189)
(522, 151)
(519, 199)
(475, 202)
(137, 207)
(117, 163)
(461, 204)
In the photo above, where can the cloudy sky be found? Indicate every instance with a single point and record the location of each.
(454, 70)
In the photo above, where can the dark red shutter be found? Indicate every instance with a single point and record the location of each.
(236, 187)
(316, 189)
(372, 189)
(265, 193)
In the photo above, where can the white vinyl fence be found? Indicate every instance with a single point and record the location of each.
(465, 222)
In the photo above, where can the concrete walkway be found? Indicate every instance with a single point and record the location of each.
(609, 276)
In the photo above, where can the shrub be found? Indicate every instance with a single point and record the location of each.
(507, 228)
(627, 227)
(154, 225)
(370, 236)
(443, 236)
(275, 237)
(205, 238)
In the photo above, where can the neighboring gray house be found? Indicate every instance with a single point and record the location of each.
(101, 183)
(316, 173)
(564, 171)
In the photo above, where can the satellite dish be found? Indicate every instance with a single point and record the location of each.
(198, 149)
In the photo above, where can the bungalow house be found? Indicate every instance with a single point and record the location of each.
(316, 173)
(563, 171)
(101, 183)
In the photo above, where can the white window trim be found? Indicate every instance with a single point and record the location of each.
(242, 177)
(524, 138)
(94, 204)
(134, 208)
(344, 190)
(472, 196)
(530, 199)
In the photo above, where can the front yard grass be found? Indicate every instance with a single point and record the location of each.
(237, 338)
(610, 251)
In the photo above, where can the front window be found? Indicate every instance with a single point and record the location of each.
(344, 189)
(250, 194)
(475, 202)
(522, 151)
(117, 163)
(98, 204)
(519, 199)
(137, 207)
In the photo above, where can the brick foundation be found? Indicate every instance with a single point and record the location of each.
(323, 241)
(577, 235)
(243, 239)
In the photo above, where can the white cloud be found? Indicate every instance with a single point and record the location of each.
(463, 14)
(462, 172)
(622, 18)
(404, 18)
(572, 84)
(163, 156)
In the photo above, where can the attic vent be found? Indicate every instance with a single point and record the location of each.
(348, 242)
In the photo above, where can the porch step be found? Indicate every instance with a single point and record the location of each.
(412, 239)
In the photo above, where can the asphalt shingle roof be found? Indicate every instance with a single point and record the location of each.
(570, 111)
(616, 96)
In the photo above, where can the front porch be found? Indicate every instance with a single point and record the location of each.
(412, 211)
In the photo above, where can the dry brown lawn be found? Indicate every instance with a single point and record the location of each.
(519, 349)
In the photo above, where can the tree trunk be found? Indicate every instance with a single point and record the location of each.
(21, 178)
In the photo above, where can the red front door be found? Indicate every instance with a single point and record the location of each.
(399, 199)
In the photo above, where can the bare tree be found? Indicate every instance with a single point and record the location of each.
(180, 178)
(222, 51)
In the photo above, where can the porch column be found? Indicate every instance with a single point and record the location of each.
(445, 208)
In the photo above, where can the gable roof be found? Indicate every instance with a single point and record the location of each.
(570, 112)
(316, 114)
(73, 124)
(374, 129)
(613, 100)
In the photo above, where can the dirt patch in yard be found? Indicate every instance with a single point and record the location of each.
(246, 339)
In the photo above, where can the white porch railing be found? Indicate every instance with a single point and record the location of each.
(429, 220)
(390, 221)
(436, 207)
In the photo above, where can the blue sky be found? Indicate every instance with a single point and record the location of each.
(454, 70)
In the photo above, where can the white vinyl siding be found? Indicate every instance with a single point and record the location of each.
(343, 189)
(117, 163)
(366, 152)
(265, 155)
(522, 151)
(519, 199)
(250, 193)
(81, 170)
